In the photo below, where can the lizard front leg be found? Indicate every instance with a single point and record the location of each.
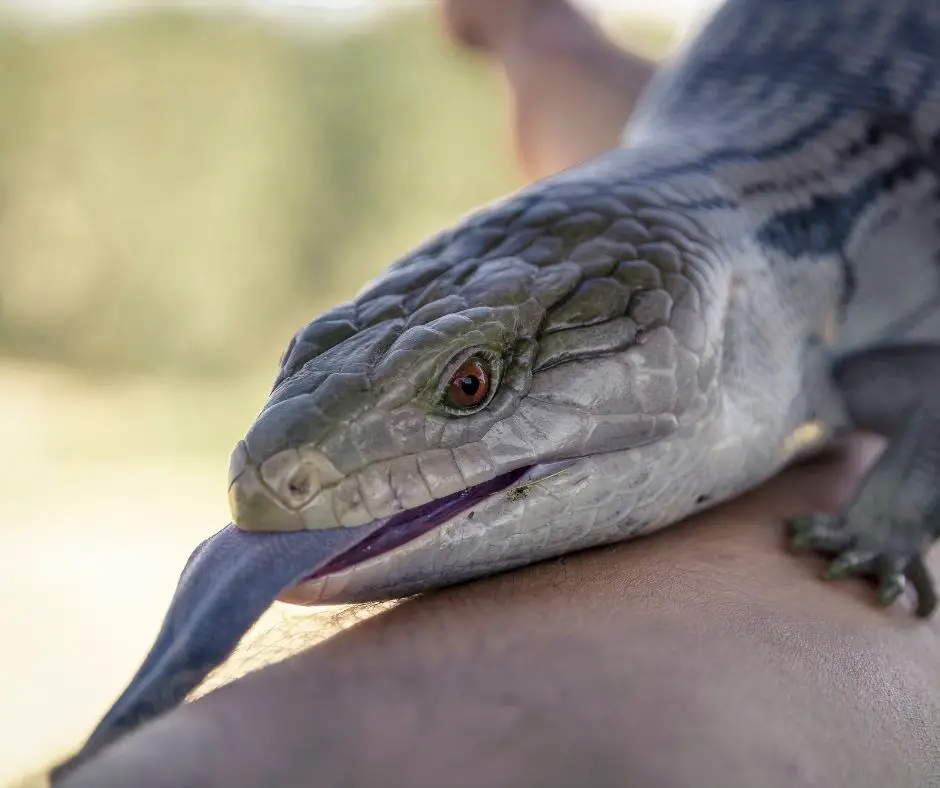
(887, 528)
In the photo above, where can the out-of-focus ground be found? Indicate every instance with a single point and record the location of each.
(178, 193)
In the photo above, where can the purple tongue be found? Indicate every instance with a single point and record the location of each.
(227, 584)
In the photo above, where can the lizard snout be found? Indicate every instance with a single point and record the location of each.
(268, 497)
(274, 495)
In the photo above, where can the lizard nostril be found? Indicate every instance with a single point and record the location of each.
(291, 479)
(254, 508)
(299, 484)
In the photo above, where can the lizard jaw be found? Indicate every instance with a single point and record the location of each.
(411, 524)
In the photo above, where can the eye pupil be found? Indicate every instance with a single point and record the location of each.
(469, 385)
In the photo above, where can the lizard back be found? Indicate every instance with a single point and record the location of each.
(823, 118)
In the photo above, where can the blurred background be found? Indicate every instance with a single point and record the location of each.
(182, 186)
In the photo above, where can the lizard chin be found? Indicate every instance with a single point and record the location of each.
(411, 524)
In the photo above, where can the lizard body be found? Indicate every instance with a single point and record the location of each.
(654, 331)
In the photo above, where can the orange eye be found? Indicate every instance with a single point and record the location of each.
(469, 385)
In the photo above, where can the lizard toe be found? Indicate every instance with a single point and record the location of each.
(818, 532)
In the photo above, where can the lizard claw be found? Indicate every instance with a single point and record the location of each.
(851, 562)
(923, 584)
(892, 583)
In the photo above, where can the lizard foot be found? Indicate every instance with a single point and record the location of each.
(886, 531)
(888, 551)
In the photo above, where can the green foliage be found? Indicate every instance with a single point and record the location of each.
(181, 193)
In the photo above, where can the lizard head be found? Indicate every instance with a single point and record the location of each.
(514, 389)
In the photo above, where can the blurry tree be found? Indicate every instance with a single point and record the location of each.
(182, 192)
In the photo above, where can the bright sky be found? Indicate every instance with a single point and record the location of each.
(64, 9)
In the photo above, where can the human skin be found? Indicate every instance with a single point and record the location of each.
(705, 655)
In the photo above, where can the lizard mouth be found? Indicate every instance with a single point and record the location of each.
(411, 524)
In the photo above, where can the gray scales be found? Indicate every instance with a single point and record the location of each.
(754, 271)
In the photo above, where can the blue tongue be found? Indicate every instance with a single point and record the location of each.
(227, 584)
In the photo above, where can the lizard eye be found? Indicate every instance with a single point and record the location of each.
(470, 384)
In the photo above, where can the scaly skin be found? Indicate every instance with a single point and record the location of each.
(660, 326)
